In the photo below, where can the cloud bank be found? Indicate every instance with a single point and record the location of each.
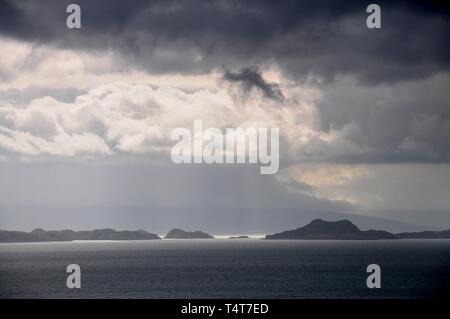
(363, 114)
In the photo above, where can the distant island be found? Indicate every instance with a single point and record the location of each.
(177, 233)
(346, 230)
(239, 237)
(40, 235)
(342, 229)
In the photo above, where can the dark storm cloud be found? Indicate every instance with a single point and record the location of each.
(250, 78)
(305, 38)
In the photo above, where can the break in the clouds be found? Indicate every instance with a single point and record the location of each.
(363, 113)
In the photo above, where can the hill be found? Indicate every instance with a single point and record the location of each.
(342, 229)
(177, 233)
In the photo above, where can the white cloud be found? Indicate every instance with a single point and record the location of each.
(137, 118)
(122, 117)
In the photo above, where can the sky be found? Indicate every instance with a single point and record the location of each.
(86, 114)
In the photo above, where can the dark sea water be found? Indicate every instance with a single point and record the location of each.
(221, 268)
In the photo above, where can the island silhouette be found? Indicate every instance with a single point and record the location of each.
(346, 230)
(315, 230)
(177, 233)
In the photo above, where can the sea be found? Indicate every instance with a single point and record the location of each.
(227, 268)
